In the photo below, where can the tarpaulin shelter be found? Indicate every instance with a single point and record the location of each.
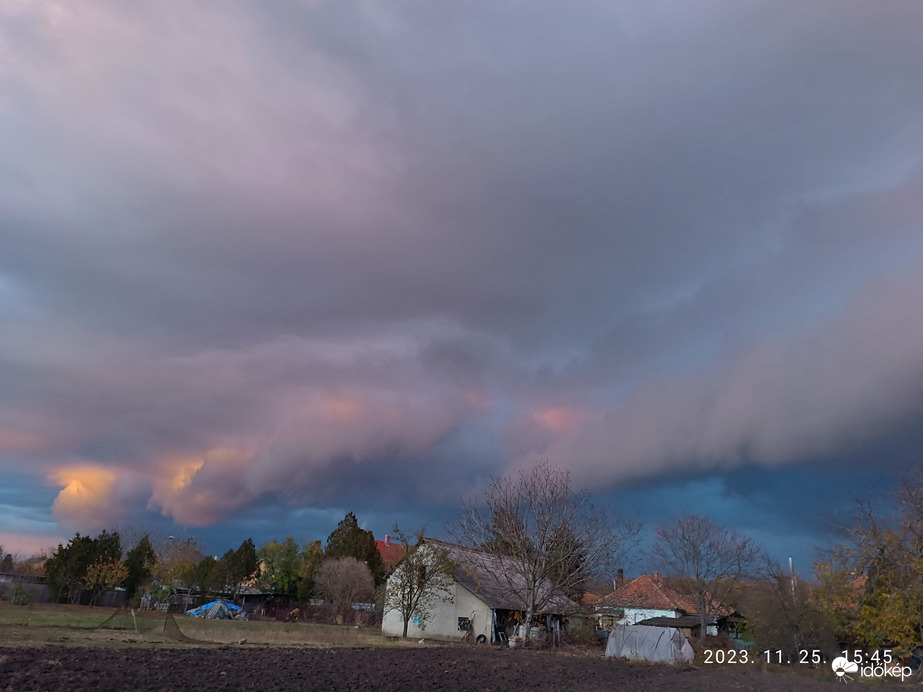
(216, 610)
(644, 643)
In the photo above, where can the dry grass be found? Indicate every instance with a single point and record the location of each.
(45, 624)
(52, 615)
(279, 633)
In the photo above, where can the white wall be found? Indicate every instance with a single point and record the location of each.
(442, 622)
(439, 624)
(467, 605)
(633, 615)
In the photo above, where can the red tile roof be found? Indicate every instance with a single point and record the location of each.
(648, 592)
(391, 553)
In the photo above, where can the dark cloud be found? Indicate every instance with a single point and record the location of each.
(317, 254)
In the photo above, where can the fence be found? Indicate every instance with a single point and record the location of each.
(316, 613)
(21, 589)
(57, 615)
(50, 620)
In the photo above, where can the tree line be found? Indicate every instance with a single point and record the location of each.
(538, 536)
(84, 568)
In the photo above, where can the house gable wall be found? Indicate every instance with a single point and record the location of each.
(442, 622)
(633, 615)
(436, 625)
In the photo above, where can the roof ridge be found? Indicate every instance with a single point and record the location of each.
(651, 590)
(672, 595)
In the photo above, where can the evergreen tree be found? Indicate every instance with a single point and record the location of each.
(348, 540)
(140, 562)
(207, 576)
(240, 565)
(68, 567)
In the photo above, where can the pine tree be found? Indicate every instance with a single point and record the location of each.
(348, 540)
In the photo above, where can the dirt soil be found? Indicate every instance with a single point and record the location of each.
(250, 667)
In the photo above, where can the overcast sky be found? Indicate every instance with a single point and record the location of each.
(262, 264)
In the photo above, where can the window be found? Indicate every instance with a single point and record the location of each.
(421, 576)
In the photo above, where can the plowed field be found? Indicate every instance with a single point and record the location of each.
(270, 669)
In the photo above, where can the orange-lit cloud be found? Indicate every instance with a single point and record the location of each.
(184, 473)
(317, 428)
(86, 494)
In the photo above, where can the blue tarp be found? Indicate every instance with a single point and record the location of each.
(216, 609)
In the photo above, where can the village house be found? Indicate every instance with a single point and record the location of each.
(647, 600)
(479, 607)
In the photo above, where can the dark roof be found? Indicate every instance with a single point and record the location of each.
(495, 580)
(682, 621)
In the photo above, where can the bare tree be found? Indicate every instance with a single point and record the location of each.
(176, 559)
(420, 580)
(707, 558)
(786, 614)
(343, 581)
(541, 539)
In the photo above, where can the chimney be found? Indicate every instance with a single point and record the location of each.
(387, 541)
(656, 575)
(620, 579)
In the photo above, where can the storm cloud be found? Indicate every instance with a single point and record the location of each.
(312, 254)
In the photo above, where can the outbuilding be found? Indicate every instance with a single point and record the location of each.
(479, 607)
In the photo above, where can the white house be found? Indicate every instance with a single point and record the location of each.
(480, 606)
(640, 599)
(650, 601)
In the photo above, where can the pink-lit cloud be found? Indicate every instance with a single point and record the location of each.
(13, 440)
(320, 254)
